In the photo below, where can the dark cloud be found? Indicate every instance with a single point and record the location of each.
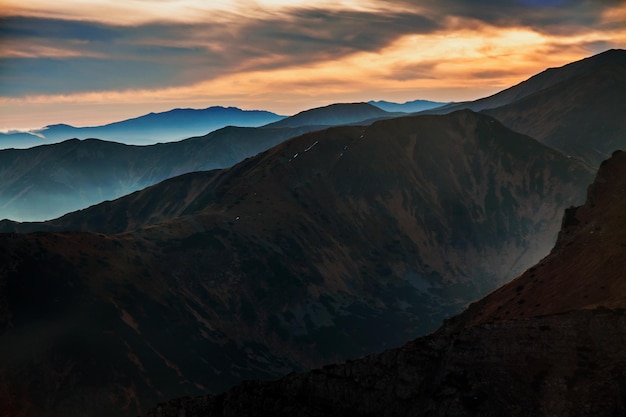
(163, 54)
(103, 57)
(422, 70)
(560, 17)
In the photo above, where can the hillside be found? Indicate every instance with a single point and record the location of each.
(48, 181)
(538, 82)
(332, 245)
(583, 116)
(548, 343)
(577, 109)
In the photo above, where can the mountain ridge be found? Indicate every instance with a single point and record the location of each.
(334, 114)
(168, 126)
(332, 245)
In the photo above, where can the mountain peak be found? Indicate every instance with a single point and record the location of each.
(333, 114)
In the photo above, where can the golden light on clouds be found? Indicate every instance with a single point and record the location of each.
(132, 12)
(279, 55)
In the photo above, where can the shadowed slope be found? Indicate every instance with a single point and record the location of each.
(543, 345)
(584, 116)
(577, 109)
(332, 245)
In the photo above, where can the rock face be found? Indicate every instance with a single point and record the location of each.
(537, 358)
(330, 246)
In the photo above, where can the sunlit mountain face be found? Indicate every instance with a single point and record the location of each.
(194, 195)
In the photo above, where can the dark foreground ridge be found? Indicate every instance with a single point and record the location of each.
(551, 349)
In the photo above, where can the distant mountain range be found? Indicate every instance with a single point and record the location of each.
(550, 342)
(332, 245)
(48, 181)
(407, 107)
(169, 126)
(334, 115)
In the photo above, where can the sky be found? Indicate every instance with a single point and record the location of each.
(90, 62)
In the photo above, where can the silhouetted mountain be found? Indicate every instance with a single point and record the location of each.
(539, 82)
(577, 109)
(48, 181)
(406, 107)
(332, 245)
(333, 115)
(172, 125)
(584, 116)
(550, 343)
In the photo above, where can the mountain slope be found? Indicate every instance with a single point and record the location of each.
(172, 125)
(556, 350)
(538, 82)
(583, 116)
(332, 245)
(577, 109)
(48, 181)
(334, 114)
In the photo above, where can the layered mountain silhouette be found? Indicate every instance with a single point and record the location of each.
(172, 125)
(333, 115)
(332, 245)
(408, 106)
(48, 181)
(45, 182)
(577, 109)
(551, 342)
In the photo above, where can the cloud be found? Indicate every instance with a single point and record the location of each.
(186, 51)
(158, 54)
(545, 16)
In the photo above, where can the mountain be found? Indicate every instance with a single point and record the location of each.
(172, 125)
(406, 107)
(333, 115)
(576, 108)
(549, 343)
(48, 181)
(42, 183)
(332, 245)
(583, 116)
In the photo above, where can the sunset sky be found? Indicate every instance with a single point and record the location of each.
(88, 62)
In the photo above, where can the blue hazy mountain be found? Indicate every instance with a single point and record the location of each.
(172, 125)
(335, 114)
(50, 180)
(45, 182)
(408, 106)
